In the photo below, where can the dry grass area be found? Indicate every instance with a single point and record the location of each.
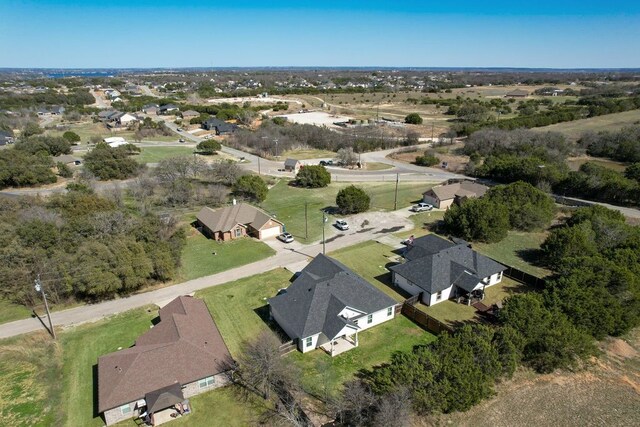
(609, 122)
(446, 153)
(607, 393)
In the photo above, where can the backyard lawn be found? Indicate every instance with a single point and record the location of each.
(450, 312)
(203, 257)
(155, 154)
(370, 260)
(322, 373)
(517, 250)
(288, 202)
(240, 308)
(420, 222)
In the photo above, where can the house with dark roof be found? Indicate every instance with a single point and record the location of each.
(328, 305)
(190, 114)
(220, 127)
(150, 108)
(168, 109)
(292, 165)
(439, 270)
(236, 221)
(181, 356)
(443, 196)
(6, 137)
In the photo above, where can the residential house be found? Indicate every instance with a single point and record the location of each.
(237, 221)
(150, 109)
(51, 111)
(328, 305)
(67, 159)
(190, 114)
(6, 137)
(517, 93)
(292, 165)
(212, 123)
(181, 356)
(167, 109)
(123, 119)
(439, 270)
(115, 141)
(225, 129)
(443, 196)
(107, 115)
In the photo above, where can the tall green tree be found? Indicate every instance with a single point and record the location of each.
(313, 176)
(251, 187)
(352, 200)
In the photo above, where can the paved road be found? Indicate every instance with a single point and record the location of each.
(385, 224)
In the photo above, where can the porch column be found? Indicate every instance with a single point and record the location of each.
(356, 338)
(332, 347)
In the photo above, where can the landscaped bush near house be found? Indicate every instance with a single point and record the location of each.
(352, 200)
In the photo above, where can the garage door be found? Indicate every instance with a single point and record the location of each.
(270, 232)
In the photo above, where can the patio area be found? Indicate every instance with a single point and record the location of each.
(170, 414)
(340, 345)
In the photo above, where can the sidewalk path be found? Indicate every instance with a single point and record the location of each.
(284, 258)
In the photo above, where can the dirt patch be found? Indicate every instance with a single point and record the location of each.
(619, 349)
(455, 162)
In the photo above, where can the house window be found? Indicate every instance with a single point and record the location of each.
(389, 311)
(206, 382)
(309, 341)
(125, 409)
(439, 296)
(370, 318)
(355, 322)
(238, 232)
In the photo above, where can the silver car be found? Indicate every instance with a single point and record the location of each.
(342, 224)
(286, 237)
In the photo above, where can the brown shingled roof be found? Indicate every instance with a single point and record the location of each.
(460, 189)
(184, 347)
(226, 218)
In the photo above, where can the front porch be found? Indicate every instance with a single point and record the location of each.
(341, 344)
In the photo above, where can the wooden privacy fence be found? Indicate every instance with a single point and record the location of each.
(423, 319)
(287, 347)
(522, 277)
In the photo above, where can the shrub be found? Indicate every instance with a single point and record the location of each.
(315, 176)
(71, 137)
(413, 119)
(111, 163)
(251, 187)
(351, 200)
(427, 160)
(209, 147)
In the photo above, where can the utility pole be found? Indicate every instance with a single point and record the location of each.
(258, 165)
(432, 124)
(39, 288)
(324, 247)
(395, 199)
(306, 223)
(276, 141)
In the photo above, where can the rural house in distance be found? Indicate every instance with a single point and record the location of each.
(181, 356)
(439, 270)
(236, 221)
(327, 305)
(443, 196)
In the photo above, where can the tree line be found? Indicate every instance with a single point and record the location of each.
(84, 246)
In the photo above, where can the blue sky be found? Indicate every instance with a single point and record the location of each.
(159, 33)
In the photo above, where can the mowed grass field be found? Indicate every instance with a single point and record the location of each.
(10, 311)
(609, 122)
(155, 154)
(86, 130)
(203, 257)
(288, 203)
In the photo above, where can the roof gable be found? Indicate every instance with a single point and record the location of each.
(227, 218)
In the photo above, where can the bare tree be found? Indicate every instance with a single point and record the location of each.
(355, 405)
(225, 172)
(394, 409)
(347, 157)
(261, 366)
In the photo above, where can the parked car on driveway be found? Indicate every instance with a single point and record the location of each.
(286, 237)
(181, 140)
(421, 207)
(342, 224)
(326, 162)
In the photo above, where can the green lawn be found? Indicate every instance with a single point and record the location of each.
(574, 164)
(518, 250)
(370, 260)
(10, 311)
(610, 122)
(240, 308)
(81, 347)
(376, 345)
(420, 223)
(288, 203)
(198, 257)
(88, 129)
(450, 312)
(31, 378)
(307, 154)
(155, 154)
(377, 166)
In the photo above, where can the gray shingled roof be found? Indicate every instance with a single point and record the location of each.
(291, 163)
(322, 290)
(460, 189)
(434, 264)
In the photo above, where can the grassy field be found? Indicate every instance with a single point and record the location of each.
(370, 260)
(155, 154)
(518, 250)
(288, 203)
(307, 154)
(376, 345)
(198, 257)
(611, 122)
(30, 372)
(377, 166)
(240, 308)
(575, 163)
(10, 311)
(421, 221)
(88, 129)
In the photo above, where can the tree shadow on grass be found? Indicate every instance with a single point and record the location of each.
(390, 230)
(265, 315)
(531, 256)
(94, 370)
